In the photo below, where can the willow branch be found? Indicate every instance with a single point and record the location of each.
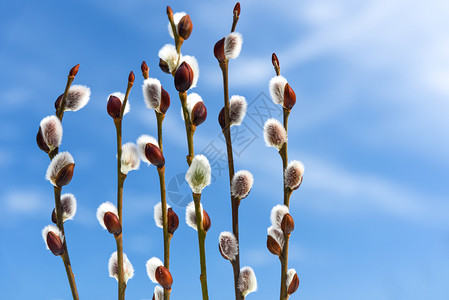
(201, 243)
(190, 128)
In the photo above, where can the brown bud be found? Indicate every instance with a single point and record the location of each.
(74, 71)
(169, 12)
(287, 224)
(165, 101)
(65, 175)
(173, 221)
(183, 77)
(154, 155)
(54, 243)
(53, 216)
(275, 60)
(164, 277)
(219, 50)
(293, 285)
(164, 66)
(199, 113)
(58, 101)
(237, 9)
(145, 70)
(206, 221)
(131, 77)
(114, 107)
(289, 97)
(221, 118)
(185, 27)
(273, 246)
(112, 223)
(40, 141)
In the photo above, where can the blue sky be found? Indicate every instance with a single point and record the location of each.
(370, 125)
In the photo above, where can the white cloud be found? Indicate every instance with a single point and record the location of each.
(24, 202)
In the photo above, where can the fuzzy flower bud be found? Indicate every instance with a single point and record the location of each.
(193, 63)
(68, 207)
(183, 78)
(292, 281)
(158, 273)
(130, 158)
(241, 184)
(155, 96)
(60, 170)
(275, 240)
(199, 174)
(191, 217)
(247, 282)
(277, 214)
(228, 245)
(128, 269)
(149, 150)
(274, 134)
(287, 224)
(77, 97)
(173, 221)
(196, 109)
(184, 27)
(168, 58)
(158, 214)
(294, 174)
(49, 135)
(176, 20)
(233, 45)
(281, 92)
(114, 105)
(54, 239)
(107, 216)
(158, 293)
(237, 109)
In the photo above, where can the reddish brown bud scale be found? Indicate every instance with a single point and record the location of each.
(287, 224)
(164, 277)
(199, 113)
(221, 118)
(74, 70)
(64, 175)
(131, 77)
(237, 9)
(221, 252)
(58, 101)
(293, 285)
(169, 12)
(154, 155)
(206, 221)
(185, 27)
(53, 216)
(183, 77)
(40, 141)
(112, 223)
(273, 246)
(165, 101)
(289, 97)
(114, 107)
(164, 66)
(275, 60)
(145, 70)
(173, 221)
(219, 50)
(55, 244)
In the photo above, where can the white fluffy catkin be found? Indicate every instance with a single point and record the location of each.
(228, 245)
(130, 158)
(176, 18)
(274, 134)
(247, 282)
(192, 100)
(128, 269)
(77, 97)
(51, 129)
(68, 206)
(290, 274)
(58, 162)
(158, 214)
(142, 142)
(169, 54)
(277, 214)
(151, 89)
(237, 109)
(233, 45)
(199, 174)
(193, 63)
(151, 265)
(53, 229)
(103, 209)
(241, 184)
(277, 87)
(277, 235)
(293, 174)
(191, 215)
(158, 293)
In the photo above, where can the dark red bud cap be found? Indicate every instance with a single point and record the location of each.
(185, 27)
(169, 12)
(58, 101)
(199, 113)
(154, 155)
(145, 70)
(293, 285)
(287, 224)
(131, 77)
(273, 246)
(74, 70)
(164, 277)
(112, 223)
(164, 66)
(289, 97)
(183, 77)
(173, 221)
(165, 101)
(65, 175)
(53, 216)
(237, 9)
(54, 243)
(206, 221)
(114, 107)
(219, 50)
(40, 141)
(221, 118)
(274, 60)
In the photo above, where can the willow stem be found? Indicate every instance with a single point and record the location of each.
(65, 256)
(201, 243)
(190, 128)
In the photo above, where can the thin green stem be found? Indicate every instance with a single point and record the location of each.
(65, 256)
(201, 243)
(190, 129)
(160, 118)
